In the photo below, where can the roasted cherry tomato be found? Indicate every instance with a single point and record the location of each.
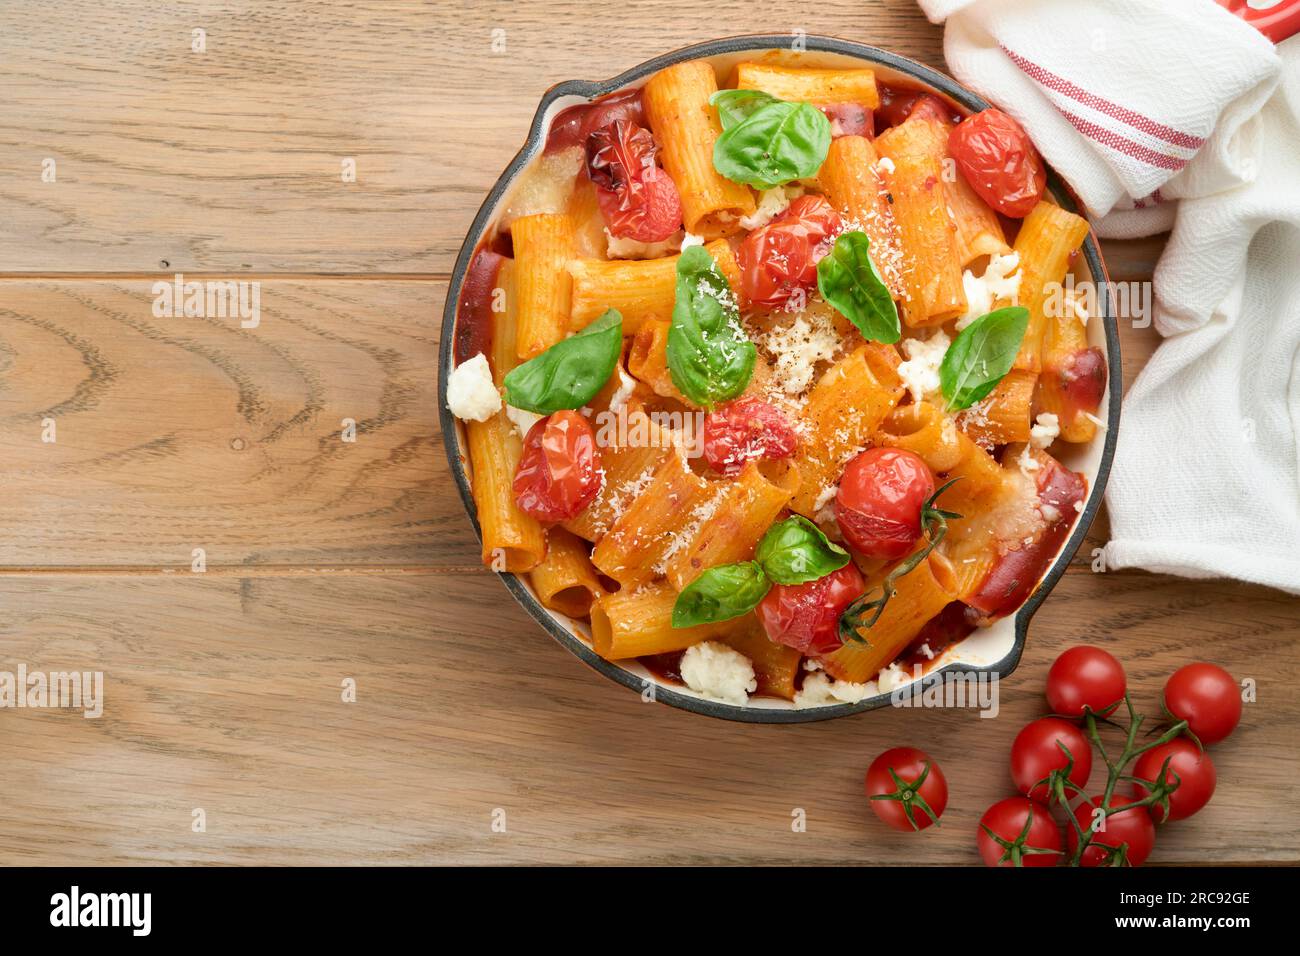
(573, 125)
(1085, 678)
(849, 119)
(1000, 163)
(1206, 696)
(638, 199)
(1080, 377)
(878, 505)
(1035, 754)
(781, 258)
(807, 616)
(745, 429)
(559, 470)
(897, 106)
(921, 797)
(1132, 827)
(1189, 765)
(1040, 845)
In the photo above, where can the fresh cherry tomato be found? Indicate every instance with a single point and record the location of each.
(745, 429)
(638, 199)
(779, 259)
(1189, 765)
(1000, 163)
(1035, 754)
(1132, 827)
(1007, 819)
(559, 471)
(1085, 678)
(1206, 696)
(904, 807)
(807, 616)
(878, 505)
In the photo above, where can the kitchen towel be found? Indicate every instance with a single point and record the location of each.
(1176, 114)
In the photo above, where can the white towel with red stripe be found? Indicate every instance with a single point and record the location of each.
(1134, 102)
(1176, 114)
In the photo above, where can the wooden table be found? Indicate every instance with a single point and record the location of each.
(329, 561)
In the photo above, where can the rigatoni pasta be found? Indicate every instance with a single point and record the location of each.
(676, 103)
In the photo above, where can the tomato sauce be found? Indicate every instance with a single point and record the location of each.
(1018, 572)
(951, 625)
(667, 667)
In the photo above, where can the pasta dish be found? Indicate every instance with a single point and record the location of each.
(764, 377)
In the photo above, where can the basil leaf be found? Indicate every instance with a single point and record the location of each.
(721, 593)
(710, 357)
(569, 373)
(736, 105)
(848, 280)
(981, 354)
(795, 551)
(774, 144)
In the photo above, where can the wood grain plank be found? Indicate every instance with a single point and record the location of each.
(230, 159)
(225, 694)
(182, 433)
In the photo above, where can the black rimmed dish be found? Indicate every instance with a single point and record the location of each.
(994, 650)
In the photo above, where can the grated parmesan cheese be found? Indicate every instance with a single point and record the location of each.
(798, 347)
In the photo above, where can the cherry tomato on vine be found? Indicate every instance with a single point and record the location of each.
(637, 199)
(878, 505)
(779, 259)
(1131, 827)
(1027, 826)
(1190, 766)
(999, 162)
(1085, 678)
(906, 788)
(559, 471)
(1206, 696)
(807, 616)
(745, 429)
(1035, 754)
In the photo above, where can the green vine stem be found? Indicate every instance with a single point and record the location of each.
(1158, 790)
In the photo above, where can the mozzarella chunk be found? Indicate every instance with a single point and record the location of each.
(920, 373)
(720, 672)
(1001, 280)
(471, 394)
